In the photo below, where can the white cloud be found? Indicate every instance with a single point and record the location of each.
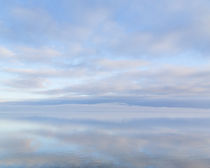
(6, 53)
(122, 64)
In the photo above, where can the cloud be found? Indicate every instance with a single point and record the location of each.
(6, 53)
(121, 64)
(102, 81)
(180, 27)
(40, 55)
(157, 50)
(186, 102)
(173, 81)
(29, 83)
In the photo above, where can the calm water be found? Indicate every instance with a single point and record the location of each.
(73, 142)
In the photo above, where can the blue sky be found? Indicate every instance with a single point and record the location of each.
(133, 52)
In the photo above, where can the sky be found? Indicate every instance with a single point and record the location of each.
(104, 83)
(89, 54)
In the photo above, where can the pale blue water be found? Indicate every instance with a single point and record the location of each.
(59, 142)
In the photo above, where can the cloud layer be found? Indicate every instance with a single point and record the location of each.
(125, 51)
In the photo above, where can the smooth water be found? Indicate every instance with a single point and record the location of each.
(132, 142)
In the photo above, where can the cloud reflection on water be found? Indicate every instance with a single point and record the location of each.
(135, 143)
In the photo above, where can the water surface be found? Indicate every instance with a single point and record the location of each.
(132, 142)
